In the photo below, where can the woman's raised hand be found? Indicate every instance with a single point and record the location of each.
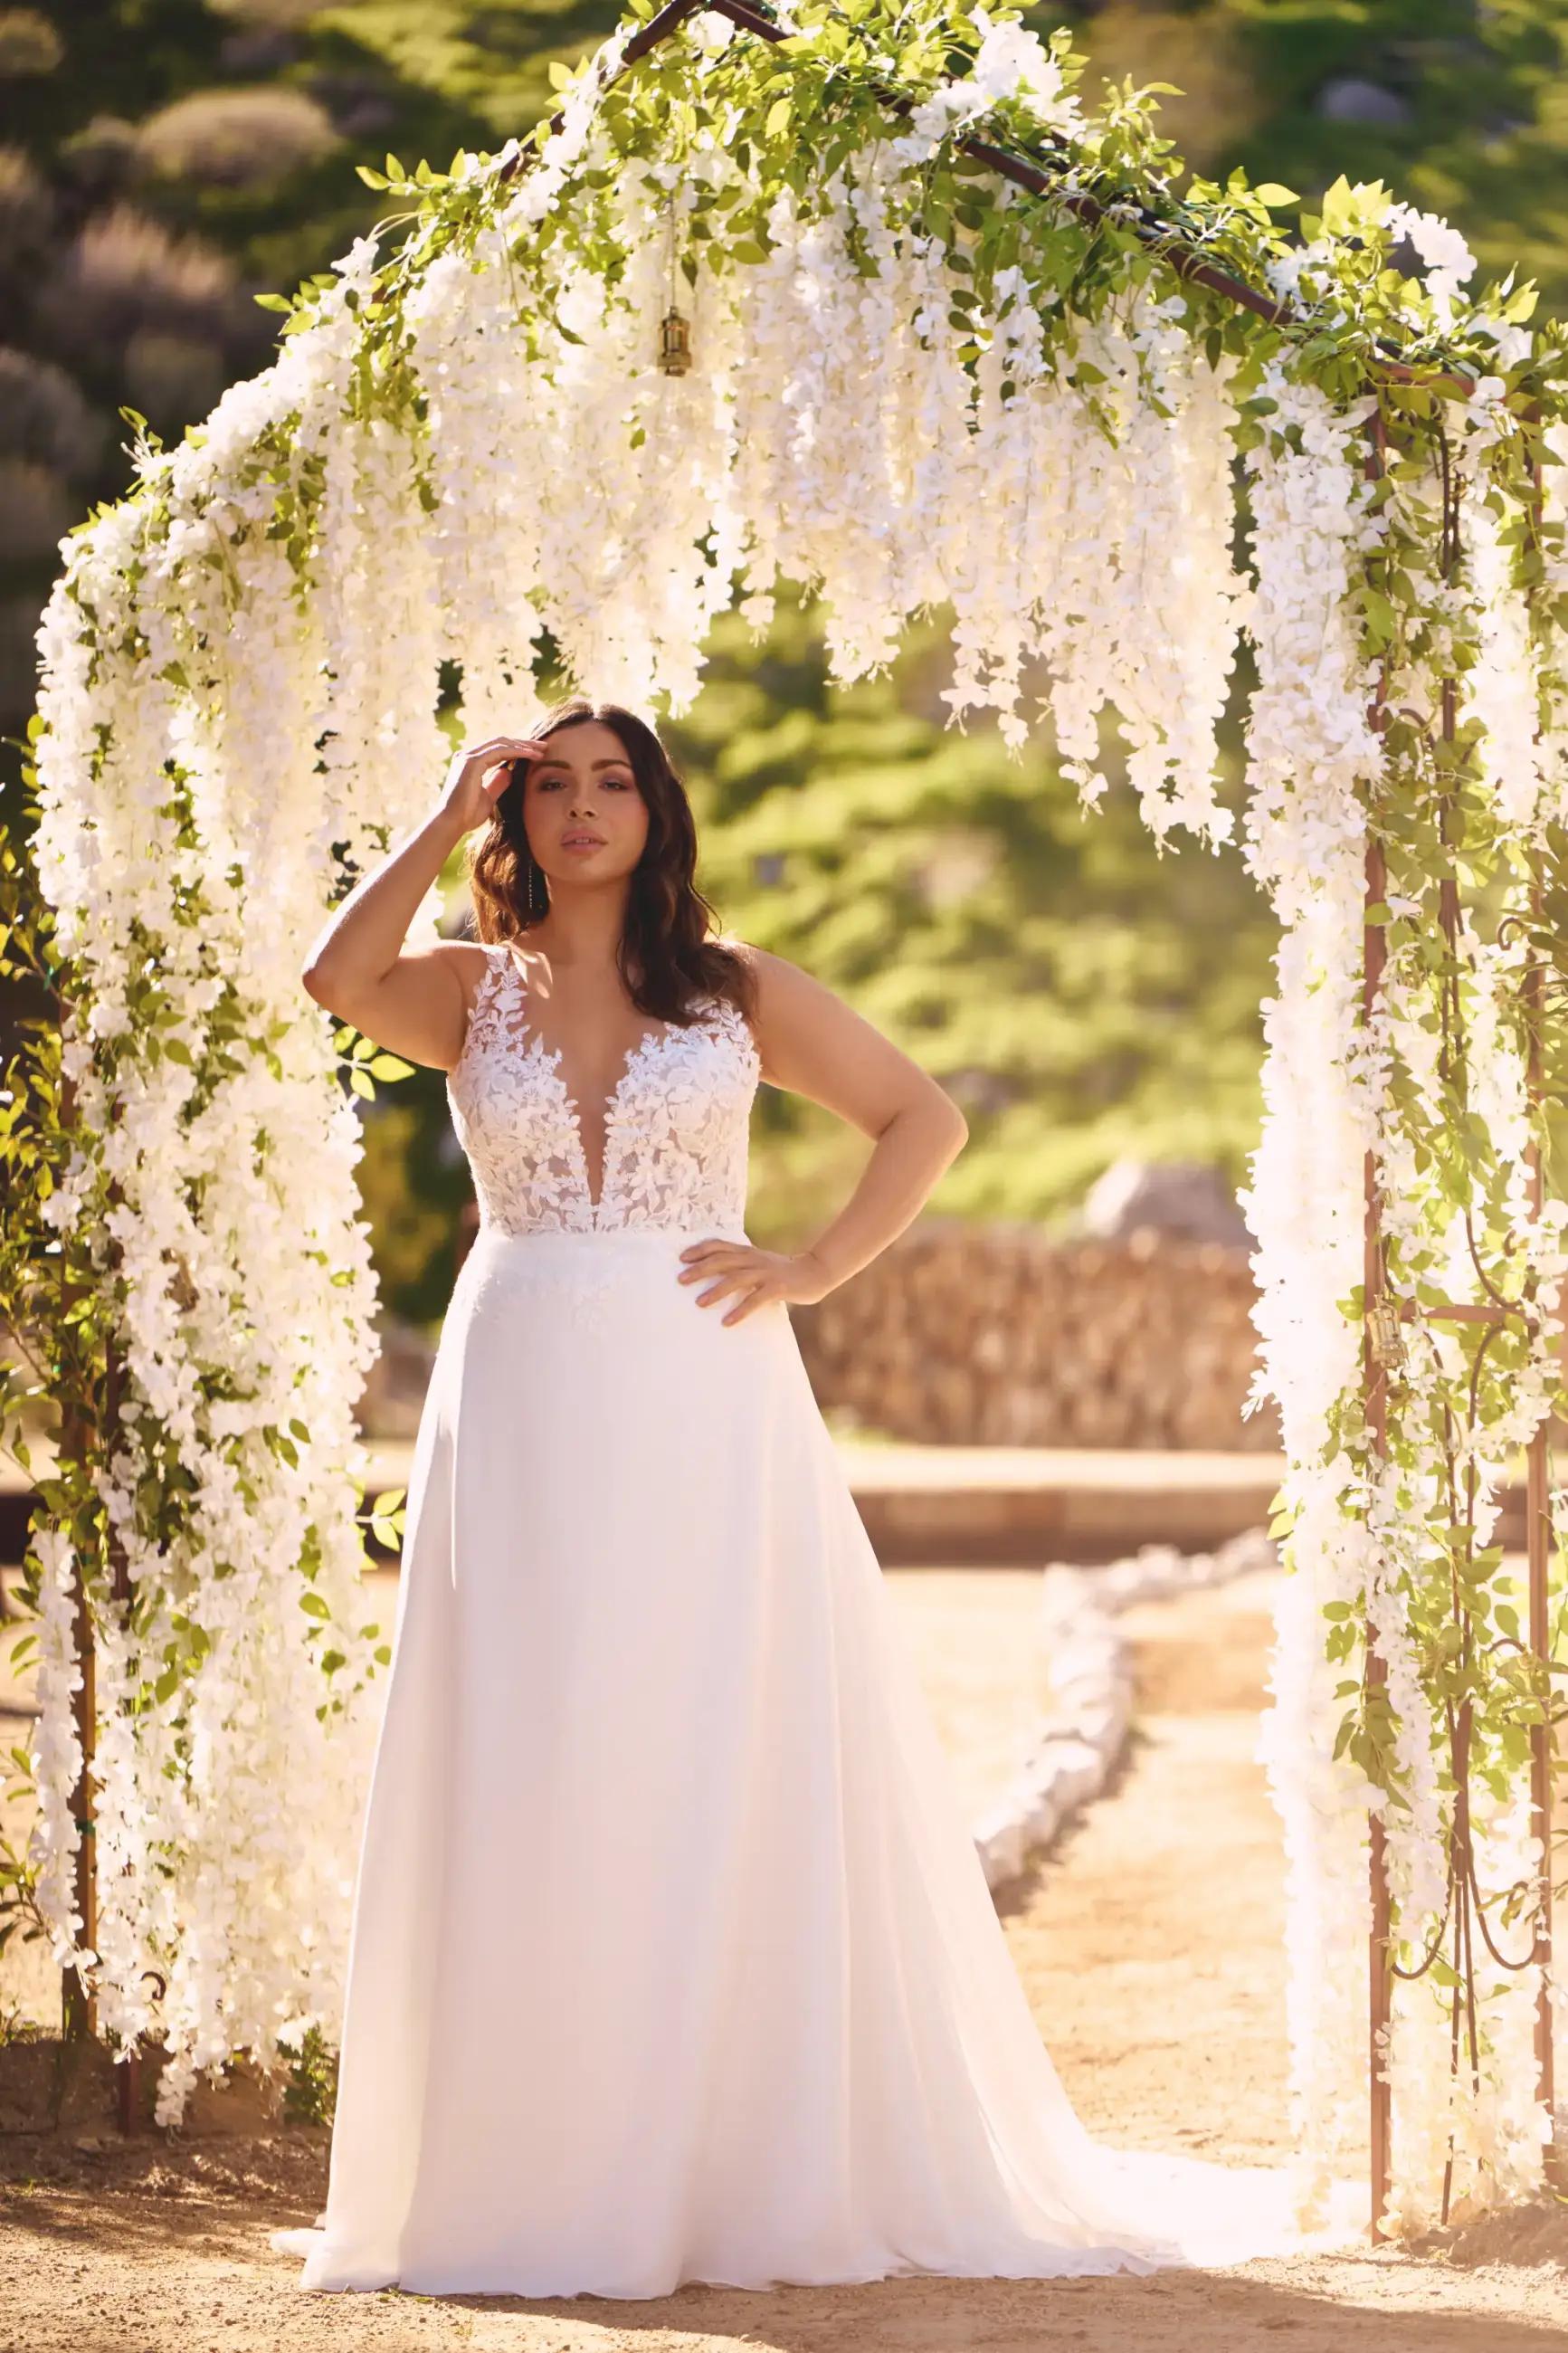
(479, 773)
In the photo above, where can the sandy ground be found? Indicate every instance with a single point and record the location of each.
(1150, 1945)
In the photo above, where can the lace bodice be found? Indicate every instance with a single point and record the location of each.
(676, 1123)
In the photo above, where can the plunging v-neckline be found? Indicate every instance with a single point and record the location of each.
(551, 1057)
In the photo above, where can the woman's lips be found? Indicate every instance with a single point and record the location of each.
(582, 841)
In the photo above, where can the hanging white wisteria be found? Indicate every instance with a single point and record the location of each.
(914, 383)
(1311, 758)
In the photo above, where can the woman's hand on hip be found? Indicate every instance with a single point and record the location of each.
(752, 1276)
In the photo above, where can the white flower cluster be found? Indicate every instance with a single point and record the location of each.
(1341, 1089)
(1445, 259)
(1311, 755)
(1011, 63)
(57, 1752)
(1084, 535)
(187, 822)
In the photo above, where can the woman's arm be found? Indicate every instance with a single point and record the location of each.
(810, 1042)
(413, 1001)
(813, 1044)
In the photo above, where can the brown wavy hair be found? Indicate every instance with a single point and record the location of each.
(665, 955)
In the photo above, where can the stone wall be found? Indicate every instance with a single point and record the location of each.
(994, 1335)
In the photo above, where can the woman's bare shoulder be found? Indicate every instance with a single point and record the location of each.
(468, 959)
(764, 964)
(461, 954)
(757, 960)
(779, 994)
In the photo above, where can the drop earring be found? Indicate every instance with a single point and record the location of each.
(533, 908)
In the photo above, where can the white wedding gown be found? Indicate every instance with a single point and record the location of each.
(672, 1956)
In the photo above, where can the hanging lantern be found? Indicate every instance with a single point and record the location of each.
(1384, 1332)
(674, 342)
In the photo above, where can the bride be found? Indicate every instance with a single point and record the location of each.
(671, 1957)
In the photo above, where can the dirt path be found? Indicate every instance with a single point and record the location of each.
(1149, 1947)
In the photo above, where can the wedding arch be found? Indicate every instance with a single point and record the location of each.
(871, 301)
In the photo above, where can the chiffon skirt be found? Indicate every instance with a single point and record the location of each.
(672, 1956)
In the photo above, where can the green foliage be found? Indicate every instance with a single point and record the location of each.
(363, 1061)
(61, 1301)
(386, 1518)
(54, 1320)
(1442, 836)
(311, 2083)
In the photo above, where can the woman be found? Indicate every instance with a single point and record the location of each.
(672, 1957)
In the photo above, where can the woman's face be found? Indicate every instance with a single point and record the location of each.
(585, 820)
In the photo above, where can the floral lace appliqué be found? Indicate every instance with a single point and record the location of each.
(676, 1127)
